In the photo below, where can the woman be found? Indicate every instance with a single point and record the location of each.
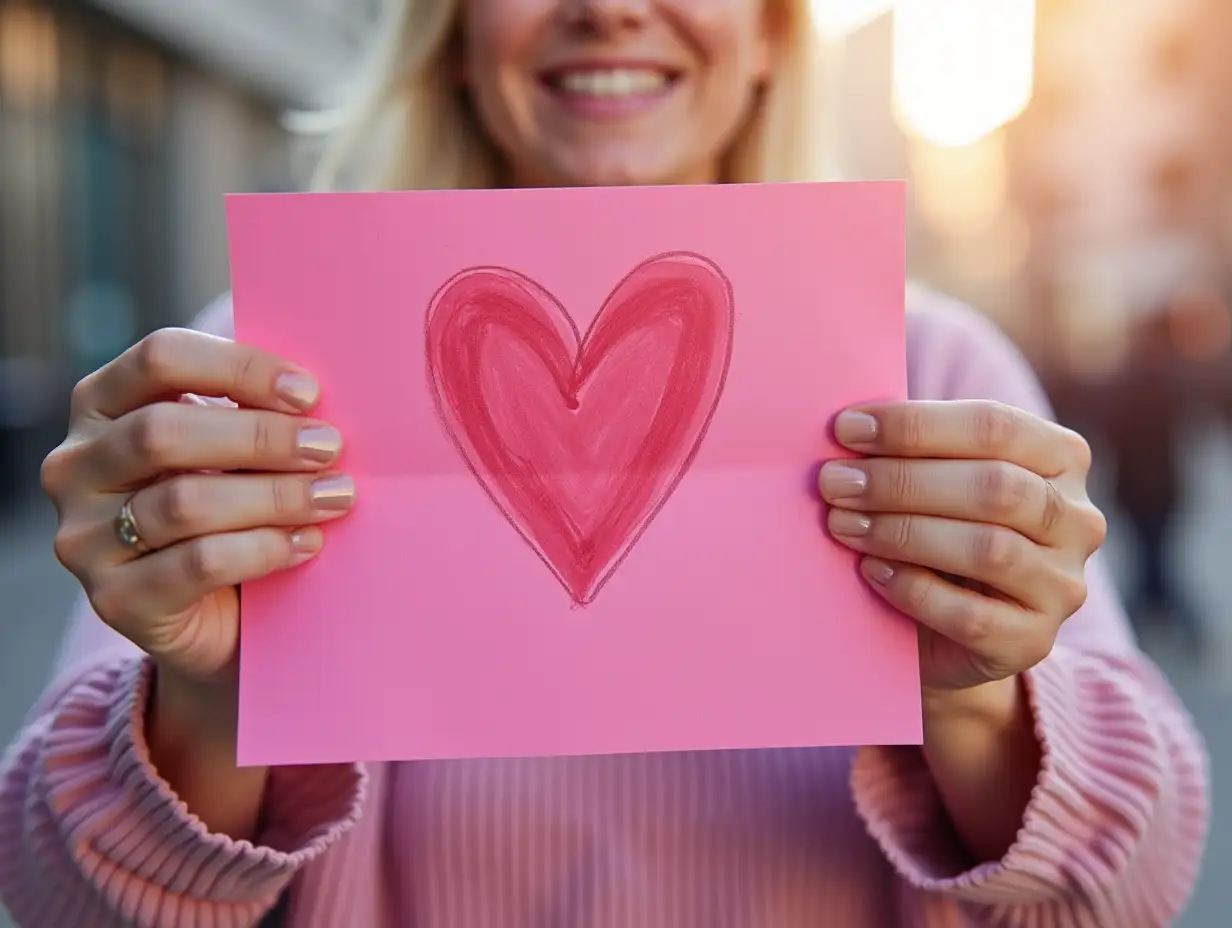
(1060, 782)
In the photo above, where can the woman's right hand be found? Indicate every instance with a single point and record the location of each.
(219, 494)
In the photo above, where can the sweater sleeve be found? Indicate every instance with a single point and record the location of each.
(90, 834)
(1116, 826)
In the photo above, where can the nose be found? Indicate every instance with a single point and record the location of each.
(604, 18)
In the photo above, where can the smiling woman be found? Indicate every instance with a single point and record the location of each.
(703, 66)
(1060, 783)
(534, 92)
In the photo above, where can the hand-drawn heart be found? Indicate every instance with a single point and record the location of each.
(580, 441)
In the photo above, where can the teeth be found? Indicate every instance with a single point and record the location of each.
(613, 83)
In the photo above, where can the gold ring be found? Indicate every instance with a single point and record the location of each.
(126, 529)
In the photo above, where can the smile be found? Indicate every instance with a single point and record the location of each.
(616, 82)
(607, 92)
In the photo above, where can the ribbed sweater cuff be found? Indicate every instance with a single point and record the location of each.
(1116, 817)
(143, 851)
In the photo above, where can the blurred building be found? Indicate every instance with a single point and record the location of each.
(1121, 165)
(1092, 206)
(122, 125)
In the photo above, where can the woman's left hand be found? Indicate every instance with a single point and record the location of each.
(974, 519)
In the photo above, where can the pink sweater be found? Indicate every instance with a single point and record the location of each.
(851, 838)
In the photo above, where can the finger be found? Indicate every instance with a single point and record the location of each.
(990, 554)
(963, 429)
(192, 505)
(1001, 637)
(135, 595)
(171, 362)
(169, 437)
(996, 492)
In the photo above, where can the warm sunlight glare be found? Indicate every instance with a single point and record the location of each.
(843, 17)
(960, 192)
(962, 68)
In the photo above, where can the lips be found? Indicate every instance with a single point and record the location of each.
(609, 81)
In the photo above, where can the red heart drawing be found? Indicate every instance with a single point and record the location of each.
(580, 441)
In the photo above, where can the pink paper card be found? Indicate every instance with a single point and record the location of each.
(585, 427)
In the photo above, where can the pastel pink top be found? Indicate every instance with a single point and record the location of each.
(852, 838)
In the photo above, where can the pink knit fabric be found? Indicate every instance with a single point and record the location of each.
(89, 834)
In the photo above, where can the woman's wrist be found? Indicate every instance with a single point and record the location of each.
(981, 748)
(204, 712)
(994, 702)
(191, 735)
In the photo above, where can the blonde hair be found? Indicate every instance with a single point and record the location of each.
(413, 129)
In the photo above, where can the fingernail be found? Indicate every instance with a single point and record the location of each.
(333, 494)
(878, 572)
(855, 428)
(319, 444)
(305, 545)
(849, 524)
(842, 481)
(300, 390)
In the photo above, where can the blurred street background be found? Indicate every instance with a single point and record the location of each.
(1070, 168)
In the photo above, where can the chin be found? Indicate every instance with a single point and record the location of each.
(615, 172)
(611, 179)
(624, 179)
